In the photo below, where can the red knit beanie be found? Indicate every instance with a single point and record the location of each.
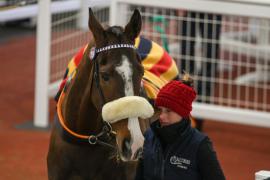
(176, 96)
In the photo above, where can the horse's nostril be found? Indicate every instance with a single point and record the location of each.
(126, 148)
(126, 144)
(138, 153)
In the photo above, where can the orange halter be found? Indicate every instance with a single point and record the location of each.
(92, 139)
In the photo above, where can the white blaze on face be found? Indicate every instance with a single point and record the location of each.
(136, 134)
(125, 71)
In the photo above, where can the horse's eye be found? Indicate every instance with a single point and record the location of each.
(105, 76)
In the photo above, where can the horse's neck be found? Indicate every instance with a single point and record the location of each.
(79, 112)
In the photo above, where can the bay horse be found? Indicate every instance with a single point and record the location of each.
(96, 134)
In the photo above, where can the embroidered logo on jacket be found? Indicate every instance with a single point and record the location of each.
(180, 162)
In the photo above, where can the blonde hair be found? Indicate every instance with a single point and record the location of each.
(187, 79)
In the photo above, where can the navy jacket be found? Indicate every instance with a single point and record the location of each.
(177, 160)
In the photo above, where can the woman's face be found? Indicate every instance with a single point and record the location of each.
(168, 117)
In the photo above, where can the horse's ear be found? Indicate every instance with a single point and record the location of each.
(95, 27)
(133, 28)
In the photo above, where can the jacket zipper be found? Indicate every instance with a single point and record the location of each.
(164, 159)
(162, 169)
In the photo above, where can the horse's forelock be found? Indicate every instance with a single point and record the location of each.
(116, 30)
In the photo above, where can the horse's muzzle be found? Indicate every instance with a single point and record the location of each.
(128, 156)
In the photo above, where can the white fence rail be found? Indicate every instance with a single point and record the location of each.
(241, 93)
(32, 10)
(42, 64)
(62, 28)
(69, 32)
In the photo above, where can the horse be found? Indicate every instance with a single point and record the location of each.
(97, 134)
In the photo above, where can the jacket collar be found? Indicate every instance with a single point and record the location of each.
(170, 134)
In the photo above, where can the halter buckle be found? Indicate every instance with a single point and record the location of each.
(92, 139)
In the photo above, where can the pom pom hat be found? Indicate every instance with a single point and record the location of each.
(177, 97)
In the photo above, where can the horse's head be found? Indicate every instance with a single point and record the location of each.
(117, 83)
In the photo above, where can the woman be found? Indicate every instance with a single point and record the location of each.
(172, 148)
